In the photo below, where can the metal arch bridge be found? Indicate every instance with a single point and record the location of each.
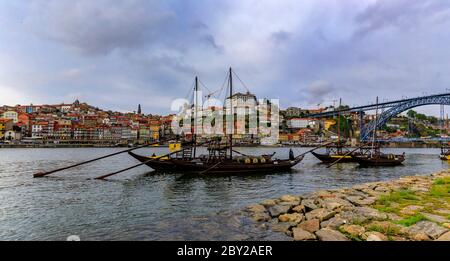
(394, 108)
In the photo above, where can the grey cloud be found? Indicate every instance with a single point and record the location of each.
(280, 37)
(203, 31)
(100, 27)
(137, 51)
(403, 14)
(211, 41)
(318, 90)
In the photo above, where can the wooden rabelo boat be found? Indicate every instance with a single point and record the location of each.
(336, 152)
(372, 155)
(219, 159)
(445, 153)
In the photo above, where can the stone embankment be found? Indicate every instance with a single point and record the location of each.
(413, 208)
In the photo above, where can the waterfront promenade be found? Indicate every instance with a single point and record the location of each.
(411, 208)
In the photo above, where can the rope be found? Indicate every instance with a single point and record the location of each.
(245, 86)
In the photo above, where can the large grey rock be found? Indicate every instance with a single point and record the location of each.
(300, 208)
(320, 213)
(361, 201)
(351, 216)
(376, 236)
(373, 193)
(435, 218)
(370, 213)
(360, 187)
(357, 193)
(282, 227)
(311, 225)
(333, 222)
(326, 234)
(277, 210)
(335, 203)
(294, 217)
(429, 228)
(300, 234)
(354, 230)
(362, 214)
(309, 204)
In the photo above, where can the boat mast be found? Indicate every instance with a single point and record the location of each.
(195, 115)
(339, 122)
(375, 127)
(230, 137)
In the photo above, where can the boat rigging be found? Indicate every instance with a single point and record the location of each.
(220, 158)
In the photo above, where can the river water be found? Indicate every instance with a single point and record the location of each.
(142, 205)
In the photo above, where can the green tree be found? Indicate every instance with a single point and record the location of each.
(411, 114)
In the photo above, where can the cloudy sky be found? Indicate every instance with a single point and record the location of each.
(116, 54)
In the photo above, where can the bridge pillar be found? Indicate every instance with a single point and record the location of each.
(361, 125)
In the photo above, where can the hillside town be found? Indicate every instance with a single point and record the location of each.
(79, 123)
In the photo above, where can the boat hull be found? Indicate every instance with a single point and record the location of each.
(227, 167)
(232, 167)
(373, 162)
(444, 157)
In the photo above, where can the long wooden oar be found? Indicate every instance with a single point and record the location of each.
(315, 148)
(135, 166)
(240, 153)
(42, 174)
(145, 162)
(346, 154)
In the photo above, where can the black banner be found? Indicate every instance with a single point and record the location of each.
(228, 250)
